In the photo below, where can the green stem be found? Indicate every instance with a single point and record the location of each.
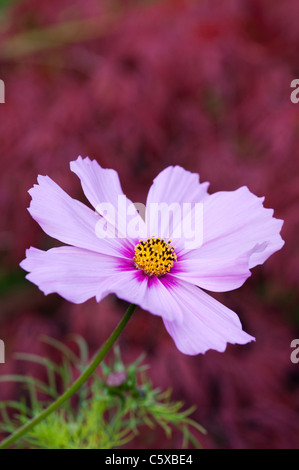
(76, 385)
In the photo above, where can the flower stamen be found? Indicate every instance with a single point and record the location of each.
(155, 256)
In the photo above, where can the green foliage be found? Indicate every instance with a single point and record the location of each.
(7, 3)
(112, 407)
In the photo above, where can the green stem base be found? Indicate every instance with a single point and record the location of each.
(76, 385)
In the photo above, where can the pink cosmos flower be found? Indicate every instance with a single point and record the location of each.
(163, 276)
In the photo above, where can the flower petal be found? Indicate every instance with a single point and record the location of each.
(102, 188)
(236, 223)
(207, 324)
(175, 184)
(73, 273)
(174, 187)
(150, 293)
(214, 274)
(68, 220)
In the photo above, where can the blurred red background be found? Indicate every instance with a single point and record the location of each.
(140, 85)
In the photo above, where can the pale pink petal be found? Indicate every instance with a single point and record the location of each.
(150, 293)
(175, 184)
(214, 274)
(68, 220)
(74, 273)
(102, 188)
(207, 324)
(172, 188)
(235, 223)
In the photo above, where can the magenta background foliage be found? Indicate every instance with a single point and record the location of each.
(202, 84)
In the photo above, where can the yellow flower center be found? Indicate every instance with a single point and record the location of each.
(154, 256)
